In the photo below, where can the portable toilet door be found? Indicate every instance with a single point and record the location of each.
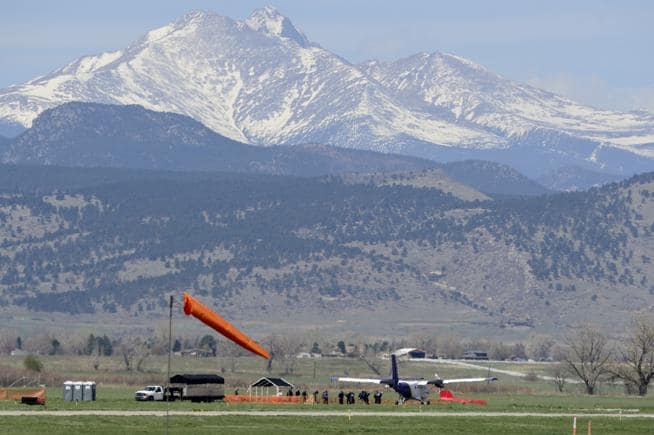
(88, 391)
(77, 391)
(68, 391)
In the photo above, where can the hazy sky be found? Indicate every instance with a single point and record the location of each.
(598, 52)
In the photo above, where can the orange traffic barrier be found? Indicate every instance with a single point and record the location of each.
(193, 307)
(232, 398)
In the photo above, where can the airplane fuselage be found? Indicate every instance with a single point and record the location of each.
(413, 391)
(409, 390)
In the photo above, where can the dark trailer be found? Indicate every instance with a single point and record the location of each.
(197, 387)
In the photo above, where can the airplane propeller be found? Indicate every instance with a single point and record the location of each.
(438, 383)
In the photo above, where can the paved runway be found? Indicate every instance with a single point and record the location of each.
(44, 413)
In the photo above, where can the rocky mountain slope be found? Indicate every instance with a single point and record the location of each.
(102, 135)
(95, 135)
(4, 141)
(569, 178)
(368, 257)
(493, 179)
(261, 81)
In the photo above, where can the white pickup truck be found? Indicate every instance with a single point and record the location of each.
(151, 392)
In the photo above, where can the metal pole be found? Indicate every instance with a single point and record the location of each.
(170, 348)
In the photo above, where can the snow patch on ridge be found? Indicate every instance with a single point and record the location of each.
(261, 81)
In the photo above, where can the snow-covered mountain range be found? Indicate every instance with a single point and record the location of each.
(261, 81)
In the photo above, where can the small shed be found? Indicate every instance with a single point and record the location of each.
(410, 353)
(475, 354)
(264, 386)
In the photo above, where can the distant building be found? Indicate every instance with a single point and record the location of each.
(475, 354)
(303, 355)
(410, 353)
(197, 353)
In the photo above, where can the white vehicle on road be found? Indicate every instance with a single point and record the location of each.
(151, 392)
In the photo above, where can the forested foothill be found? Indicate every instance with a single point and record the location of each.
(86, 241)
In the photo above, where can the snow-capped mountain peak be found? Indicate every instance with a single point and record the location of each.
(268, 20)
(261, 81)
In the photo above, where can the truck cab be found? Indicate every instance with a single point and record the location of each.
(151, 392)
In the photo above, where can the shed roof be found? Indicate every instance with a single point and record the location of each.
(197, 379)
(272, 382)
(406, 351)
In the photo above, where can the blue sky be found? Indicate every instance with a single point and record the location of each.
(598, 52)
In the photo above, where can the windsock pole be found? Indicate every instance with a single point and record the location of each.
(193, 307)
(170, 347)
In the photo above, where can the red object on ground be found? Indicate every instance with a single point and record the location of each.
(29, 396)
(193, 307)
(447, 396)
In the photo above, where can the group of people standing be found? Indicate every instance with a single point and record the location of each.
(364, 396)
(344, 398)
(297, 393)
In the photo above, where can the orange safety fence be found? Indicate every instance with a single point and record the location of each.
(33, 395)
(233, 398)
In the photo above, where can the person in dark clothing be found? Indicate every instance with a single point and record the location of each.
(315, 396)
(297, 393)
(290, 392)
(304, 396)
(325, 397)
(341, 395)
(350, 398)
(378, 397)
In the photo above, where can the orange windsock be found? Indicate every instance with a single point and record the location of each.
(195, 308)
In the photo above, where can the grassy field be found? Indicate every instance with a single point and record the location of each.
(265, 425)
(511, 394)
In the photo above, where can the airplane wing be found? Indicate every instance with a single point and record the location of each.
(360, 380)
(456, 381)
(440, 383)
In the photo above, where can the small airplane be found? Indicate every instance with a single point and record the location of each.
(413, 389)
